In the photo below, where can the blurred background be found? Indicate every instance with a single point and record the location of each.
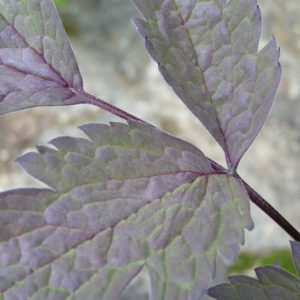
(116, 68)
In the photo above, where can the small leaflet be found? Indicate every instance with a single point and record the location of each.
(207, 52)
(37, 63)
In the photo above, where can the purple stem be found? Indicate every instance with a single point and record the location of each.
(88, 98)
(253, 195)
(259, 201)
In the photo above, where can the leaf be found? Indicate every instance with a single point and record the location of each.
(273, 283)
(296, 255)
(131, 196)
(207, 52)
(37, 64)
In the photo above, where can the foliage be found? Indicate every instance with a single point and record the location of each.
(38, 67)
(196, 43)
(130, 196)
(273, 283)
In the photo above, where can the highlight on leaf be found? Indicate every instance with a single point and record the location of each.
(207, 52)
(126, 198)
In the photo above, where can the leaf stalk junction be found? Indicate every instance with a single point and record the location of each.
(255, 197)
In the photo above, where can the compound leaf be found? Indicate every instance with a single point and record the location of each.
(37, 64)
(207, 51)
(273, 284)
(126, 198)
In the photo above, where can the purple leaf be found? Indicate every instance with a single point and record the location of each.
(273, 284)
(130, 197)
(37, 64)
(207, 51)
(296, 255)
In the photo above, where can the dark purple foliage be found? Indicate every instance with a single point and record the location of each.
(273, 283)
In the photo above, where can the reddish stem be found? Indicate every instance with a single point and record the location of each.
(88, 98)
(259, 201)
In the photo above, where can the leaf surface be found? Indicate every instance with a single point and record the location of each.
(273, 284)
(207, 51)
(37, 64)
(128, 197)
